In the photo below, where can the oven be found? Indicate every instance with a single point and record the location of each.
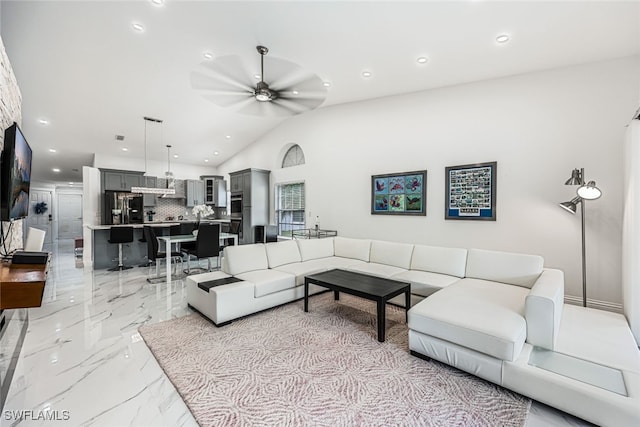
(236, 205)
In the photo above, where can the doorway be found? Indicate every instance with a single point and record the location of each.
(43, 220)
(69, 216)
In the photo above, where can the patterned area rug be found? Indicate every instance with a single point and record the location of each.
(285, 367)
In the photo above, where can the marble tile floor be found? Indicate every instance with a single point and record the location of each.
(83, 363)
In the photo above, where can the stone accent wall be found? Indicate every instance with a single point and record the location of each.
(10, 111)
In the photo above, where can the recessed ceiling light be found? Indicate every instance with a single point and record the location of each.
(215, 153)
(55, 170)
(52, 150)
(206, 160)
(157, 2)
(175, 156)
(503, 38)
(422, 60)
(326, 84)
(125, 149)
(295, 92)
(137, 27)
(228, 136)
(43, 121)
(207, 55)
(366, 74)
(256, 76)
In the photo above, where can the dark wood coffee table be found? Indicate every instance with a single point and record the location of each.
(373, 288)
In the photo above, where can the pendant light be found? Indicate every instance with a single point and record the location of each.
(154, 190)
(171, 182)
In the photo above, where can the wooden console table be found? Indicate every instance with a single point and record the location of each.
(22, 285)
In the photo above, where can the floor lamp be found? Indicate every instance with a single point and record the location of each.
(587, 191)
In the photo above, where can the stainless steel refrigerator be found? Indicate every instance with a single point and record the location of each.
(123, 208)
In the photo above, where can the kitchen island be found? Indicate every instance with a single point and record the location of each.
(134, 254)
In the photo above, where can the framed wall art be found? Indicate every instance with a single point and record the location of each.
(470, 191)
(399, 193)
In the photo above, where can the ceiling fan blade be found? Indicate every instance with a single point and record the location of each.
(229, 99)
(206, 82)
(297, 106)
(229, 70)
(283, 107)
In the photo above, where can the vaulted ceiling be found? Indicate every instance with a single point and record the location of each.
(86, 74)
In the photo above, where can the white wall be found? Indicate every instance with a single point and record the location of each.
(91, 214)
(631, 229)
(154, 168)
(537, 126)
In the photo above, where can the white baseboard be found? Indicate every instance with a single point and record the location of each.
(601, 305)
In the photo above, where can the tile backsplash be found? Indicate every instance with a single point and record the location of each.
(167, 208)
(174, 208)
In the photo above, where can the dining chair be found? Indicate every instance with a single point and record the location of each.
(155, 255)
(207, 245)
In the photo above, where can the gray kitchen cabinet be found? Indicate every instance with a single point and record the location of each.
(254, 187)
(236, 183)
(131, 180)
(247, 226)
(246, 188)
(120, 180)
(215, 191)
(195, 192)
(150, 199)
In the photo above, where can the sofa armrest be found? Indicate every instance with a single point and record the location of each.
(543, 309)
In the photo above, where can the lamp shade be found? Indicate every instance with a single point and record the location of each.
(576, 178)
(572, 205)
(589, 191)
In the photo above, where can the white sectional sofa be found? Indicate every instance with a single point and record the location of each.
(497, 315)
(272, 274)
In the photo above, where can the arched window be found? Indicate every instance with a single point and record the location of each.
(293, 157)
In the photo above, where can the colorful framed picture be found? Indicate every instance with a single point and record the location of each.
(470, 191)
(399, 193)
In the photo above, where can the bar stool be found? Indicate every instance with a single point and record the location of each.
(120, 235)
(148, 262)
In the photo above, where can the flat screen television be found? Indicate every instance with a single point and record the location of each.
(15, 175)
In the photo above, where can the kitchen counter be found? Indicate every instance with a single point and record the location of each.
(103, 253)
(155, 224)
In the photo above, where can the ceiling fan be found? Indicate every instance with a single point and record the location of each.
(291, 89)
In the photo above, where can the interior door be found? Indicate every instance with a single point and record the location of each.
(42, 221)
(69, 216)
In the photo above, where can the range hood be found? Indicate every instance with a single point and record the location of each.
(179, 186)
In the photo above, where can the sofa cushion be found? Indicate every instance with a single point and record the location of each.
(301, 269)
(484, 316)
(375, 269)
(242, 258)
(390, 253)
(438, 259)
(504, 267)
(281, 253)
(268, 281)
(424, 283)
(333, 262)
(315, 248)
(352, 248)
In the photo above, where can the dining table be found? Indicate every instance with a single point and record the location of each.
(183, 238)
